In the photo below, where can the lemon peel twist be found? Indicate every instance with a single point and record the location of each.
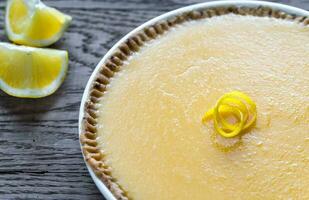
(237, 104)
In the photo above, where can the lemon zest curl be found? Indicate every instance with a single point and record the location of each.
(237, 104)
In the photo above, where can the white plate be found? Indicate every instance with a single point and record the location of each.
(288, 9)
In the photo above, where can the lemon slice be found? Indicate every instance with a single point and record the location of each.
(31, 72)
(32, 23)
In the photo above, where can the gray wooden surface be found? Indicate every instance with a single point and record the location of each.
(40, 157)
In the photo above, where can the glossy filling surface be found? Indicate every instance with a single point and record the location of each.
(150, 125)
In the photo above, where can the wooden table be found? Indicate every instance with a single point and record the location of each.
(40, 157)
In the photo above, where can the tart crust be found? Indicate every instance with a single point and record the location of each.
(95, 156)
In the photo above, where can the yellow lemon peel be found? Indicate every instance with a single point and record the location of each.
(237, 104)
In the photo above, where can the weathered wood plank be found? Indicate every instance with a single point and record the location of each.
(40, 157)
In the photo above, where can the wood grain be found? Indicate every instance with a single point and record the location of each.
(40, 157)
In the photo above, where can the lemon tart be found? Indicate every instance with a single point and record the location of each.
(143, 131)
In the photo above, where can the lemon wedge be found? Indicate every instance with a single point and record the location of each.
(32, 23)
(31, 72)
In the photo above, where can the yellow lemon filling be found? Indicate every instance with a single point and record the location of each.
(149, 119)
(236, 104)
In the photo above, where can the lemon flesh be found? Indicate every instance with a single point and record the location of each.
(31, 72)
(32, 23)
